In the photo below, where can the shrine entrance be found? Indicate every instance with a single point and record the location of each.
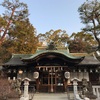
(52, 80)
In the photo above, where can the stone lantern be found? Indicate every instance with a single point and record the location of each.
(75, 80)
(26, 84)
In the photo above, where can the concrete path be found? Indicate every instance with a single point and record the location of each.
(50, 96)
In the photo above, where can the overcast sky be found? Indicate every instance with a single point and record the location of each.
(54, 14)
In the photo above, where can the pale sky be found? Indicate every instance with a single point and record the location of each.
(54, 14)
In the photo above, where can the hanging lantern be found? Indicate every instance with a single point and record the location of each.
(20, 72)
(36, 75)
(67, 75)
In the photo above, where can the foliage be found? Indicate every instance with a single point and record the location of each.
(22, 38)
(81, 42)
(4, 54)
(59, 37)
(77, 42)
(15, 11)
(21, 41)
(90, 16)
(17, 35)
(6, 88)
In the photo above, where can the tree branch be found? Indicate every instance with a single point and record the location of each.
(7, 27)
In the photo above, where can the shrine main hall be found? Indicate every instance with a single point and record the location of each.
(51, 68)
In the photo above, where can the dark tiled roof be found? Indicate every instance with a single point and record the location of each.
(14, 61)
(19, 59)
(90, 60)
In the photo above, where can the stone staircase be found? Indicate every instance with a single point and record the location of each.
(50, 96)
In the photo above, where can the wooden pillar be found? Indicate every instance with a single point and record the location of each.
(65, 84)
(48, 81)
(37, 84)
(55, 81)
(52, 89)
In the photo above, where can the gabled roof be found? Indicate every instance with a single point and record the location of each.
(14, 61)
(90, 60)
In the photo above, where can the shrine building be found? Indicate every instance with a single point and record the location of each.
(51, 68)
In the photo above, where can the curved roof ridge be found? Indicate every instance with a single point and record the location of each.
(53, 51)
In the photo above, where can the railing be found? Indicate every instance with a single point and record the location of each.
(96, 91)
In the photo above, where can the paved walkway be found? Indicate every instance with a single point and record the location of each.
(50, 96)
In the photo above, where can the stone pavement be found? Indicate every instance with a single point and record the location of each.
(51, 96)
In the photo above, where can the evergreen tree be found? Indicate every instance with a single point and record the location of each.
(15, 11)
(17, 34)
(59, 37)
(81, 42)
(90, 16)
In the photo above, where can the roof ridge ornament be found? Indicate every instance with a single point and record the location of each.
(51, 46)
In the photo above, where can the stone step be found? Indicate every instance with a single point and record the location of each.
(50, 96)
